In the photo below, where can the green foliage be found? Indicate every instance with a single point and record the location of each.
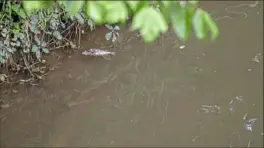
(34, 32)
(150, 18)
(73, 7)
(181, 19)
(95, 11)
(44, 25)
(113, 33)
(150, 23)
(12, 34)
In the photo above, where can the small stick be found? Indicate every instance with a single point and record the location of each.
(80, 102)
(249, 143)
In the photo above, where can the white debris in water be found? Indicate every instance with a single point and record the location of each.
(5, 106)
(249, 69)
(249, 143)
(210, 109)
(194, 139)
(249, 123)
(256, 58)
(111, 142)
(231, 109)
(238, 98)
(262, 134)
(182, 46)
(254, 4)
(245, 116)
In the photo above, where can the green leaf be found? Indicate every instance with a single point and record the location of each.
(141, 5)
(95, 11)
(34, 29)
(181, 19)
(104, 3)
(62, 3)
(199, 24)
(34, 48)
(193, 2)
(19, 11)
(149, 35)
(90, 22)
(211, 25)
(73, 7)
(37, 41)
(150, 22)
(57, 35)
(22, 13)
(108, 35)
(133, 5)
(165, 10)
(79, 18)
(2, 60)
(45, 50)
(166, 3)
(30, 6)
(116, 12)
(38, 54)
(109, 27)
(117, 27)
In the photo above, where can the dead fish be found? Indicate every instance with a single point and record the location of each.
(97, 52)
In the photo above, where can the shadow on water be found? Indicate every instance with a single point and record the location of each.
(168, 93)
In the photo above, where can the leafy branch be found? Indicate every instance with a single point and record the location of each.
(184, 16)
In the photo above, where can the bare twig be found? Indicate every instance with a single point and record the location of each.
(27, 65)
(26, 30)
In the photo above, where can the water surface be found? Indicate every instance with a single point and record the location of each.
(168, 93)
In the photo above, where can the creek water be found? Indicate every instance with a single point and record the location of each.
(168, 93)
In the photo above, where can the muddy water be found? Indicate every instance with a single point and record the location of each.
(168, 93)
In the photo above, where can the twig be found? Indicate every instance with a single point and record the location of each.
(68, 28)
(80, 102)
(27, 65)
(236, 12)
(26, 30)
(60, 46)
(80, 31)
(249, 143)
(42, 38)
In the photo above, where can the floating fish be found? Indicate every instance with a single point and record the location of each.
(97, 52)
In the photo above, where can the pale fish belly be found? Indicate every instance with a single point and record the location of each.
(97, 52)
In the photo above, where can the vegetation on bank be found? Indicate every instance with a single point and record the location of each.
(29, 29)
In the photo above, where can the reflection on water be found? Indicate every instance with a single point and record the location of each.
(168, 93)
